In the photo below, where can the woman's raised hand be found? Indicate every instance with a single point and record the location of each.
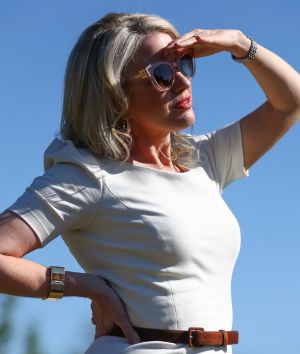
(201, 43)
(108, 310)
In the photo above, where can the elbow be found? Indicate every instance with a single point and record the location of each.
(288, 114)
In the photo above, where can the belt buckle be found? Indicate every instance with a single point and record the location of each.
(191, 330)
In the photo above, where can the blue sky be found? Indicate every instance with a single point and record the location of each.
(36, 38)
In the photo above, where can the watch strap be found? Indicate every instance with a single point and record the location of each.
(57, 283)
(250, 55)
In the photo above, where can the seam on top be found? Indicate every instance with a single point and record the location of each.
(100, 198)
(46, 202)
(172, 295)
(160, 238)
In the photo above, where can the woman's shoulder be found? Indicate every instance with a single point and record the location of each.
(217, 141)
(68, 156)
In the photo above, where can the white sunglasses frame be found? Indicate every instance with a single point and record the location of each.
(147, 72)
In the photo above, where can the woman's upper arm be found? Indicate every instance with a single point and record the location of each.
(261, 129)
(16, 237)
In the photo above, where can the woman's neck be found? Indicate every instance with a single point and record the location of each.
(153, 151)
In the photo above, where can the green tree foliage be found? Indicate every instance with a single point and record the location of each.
(32, 342)
(7, 305)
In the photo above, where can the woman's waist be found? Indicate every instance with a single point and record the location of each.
(171, 310)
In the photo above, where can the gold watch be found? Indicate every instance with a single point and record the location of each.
(57, 283)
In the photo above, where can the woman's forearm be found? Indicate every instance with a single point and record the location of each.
(279, 81)
(22, 277)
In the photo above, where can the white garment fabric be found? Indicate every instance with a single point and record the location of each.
(167, 242)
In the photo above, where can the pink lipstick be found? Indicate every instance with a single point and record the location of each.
(184, 104)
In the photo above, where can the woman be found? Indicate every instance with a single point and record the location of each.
(139, 204)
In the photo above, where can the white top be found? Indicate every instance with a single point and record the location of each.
(167, 242)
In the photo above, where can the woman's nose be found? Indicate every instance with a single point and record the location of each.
(180, 82)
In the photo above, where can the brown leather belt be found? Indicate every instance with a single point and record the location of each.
(194, 337)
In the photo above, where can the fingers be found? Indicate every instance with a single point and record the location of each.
(129, 332)
(176, 51)
(182, 42)
(101, 319)
(110, 311)
(99, 331)
(188, 38)
(124, 323)
(177, 48)
(188, 35)
(183, 45)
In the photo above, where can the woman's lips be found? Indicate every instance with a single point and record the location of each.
(184, 104)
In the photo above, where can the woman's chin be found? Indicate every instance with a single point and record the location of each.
(185, 120)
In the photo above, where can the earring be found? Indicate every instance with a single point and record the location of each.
(126, 126)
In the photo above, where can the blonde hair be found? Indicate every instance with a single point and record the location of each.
(95, 102)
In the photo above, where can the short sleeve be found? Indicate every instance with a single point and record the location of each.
(221, 154)
(65, 198)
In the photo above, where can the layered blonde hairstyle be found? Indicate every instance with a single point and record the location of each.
(95, 101)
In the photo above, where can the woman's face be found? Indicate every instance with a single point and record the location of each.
(152, 111)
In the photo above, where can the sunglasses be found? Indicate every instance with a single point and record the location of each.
(162, 74)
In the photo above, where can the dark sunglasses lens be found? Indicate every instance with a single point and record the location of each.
(163, 76)
(186, 65)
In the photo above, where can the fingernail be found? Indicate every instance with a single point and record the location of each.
(135, 341)
(171, 45)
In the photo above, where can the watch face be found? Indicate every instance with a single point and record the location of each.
(57, 283)
(57, 287)
(57, 273)
(57, 276)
